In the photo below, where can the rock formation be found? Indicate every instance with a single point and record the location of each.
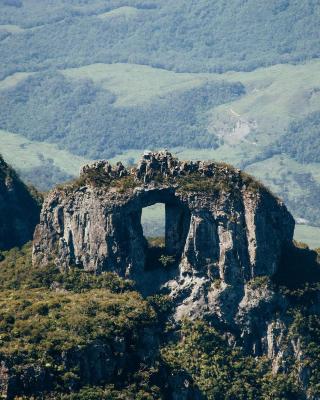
(224, 230)
(19, 209)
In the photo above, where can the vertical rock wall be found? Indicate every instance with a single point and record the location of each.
(19, 209)
(223, 228)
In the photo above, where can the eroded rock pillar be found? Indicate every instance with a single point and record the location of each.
(177, 226)
(202, 244)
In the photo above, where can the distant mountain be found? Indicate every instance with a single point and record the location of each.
(184, 36)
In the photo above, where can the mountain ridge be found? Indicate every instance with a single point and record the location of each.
(243, 305)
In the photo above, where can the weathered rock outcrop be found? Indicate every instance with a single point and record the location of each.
(223, 229)
(19, 210)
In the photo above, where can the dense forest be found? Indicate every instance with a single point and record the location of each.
(302, 139)
(199, 36)
(82, 117)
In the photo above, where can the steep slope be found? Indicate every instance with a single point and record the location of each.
(235, 310)
(19, 209)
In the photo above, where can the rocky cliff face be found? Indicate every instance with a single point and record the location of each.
(19, 210)
(225, 234)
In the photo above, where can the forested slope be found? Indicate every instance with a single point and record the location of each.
(182, 36)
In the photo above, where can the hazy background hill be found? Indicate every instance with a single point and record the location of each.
(237, 81)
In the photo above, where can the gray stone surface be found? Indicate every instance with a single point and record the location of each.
(224, 230)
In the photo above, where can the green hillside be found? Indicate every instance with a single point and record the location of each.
(101, 110)
(40, 163)
(181, 36)
(85, 117)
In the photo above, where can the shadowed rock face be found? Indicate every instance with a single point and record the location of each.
(222, 227)
(19, 210)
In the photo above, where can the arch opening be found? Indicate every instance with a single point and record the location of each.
(153, 224)
(165, 227)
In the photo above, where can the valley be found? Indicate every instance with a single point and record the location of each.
(243, 130)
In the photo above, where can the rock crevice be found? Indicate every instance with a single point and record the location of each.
(222, 227)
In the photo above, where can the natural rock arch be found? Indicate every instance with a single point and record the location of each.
(224, 228)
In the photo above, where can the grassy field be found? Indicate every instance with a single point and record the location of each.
(24, 154)
(11, 28)
(125, 12)
(280, 171)
(308, 234)
(274, 95)
(136, 84)
(13, 80)
(153, 220)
